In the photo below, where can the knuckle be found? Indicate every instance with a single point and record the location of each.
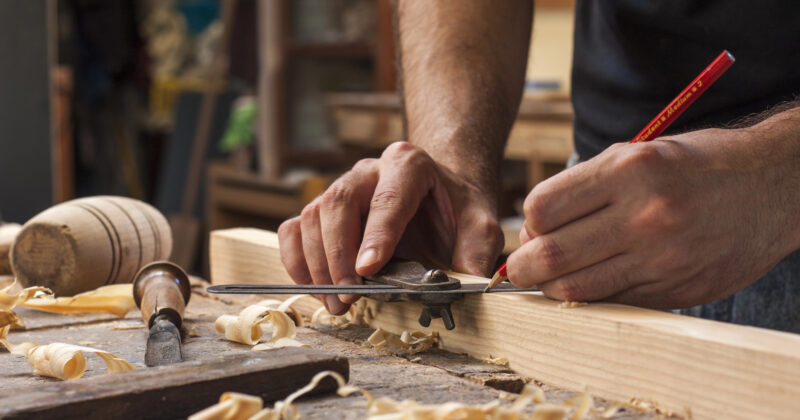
(639, 158)
(336, 195)
(407, 155)
(550, 254)
(335, 252)
(310, 212)
(385, 200)
(364, 165)
(568, 289)
(398, 148)
(535, 210)
(289, 227)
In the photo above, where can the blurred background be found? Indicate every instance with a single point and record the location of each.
(225, 113)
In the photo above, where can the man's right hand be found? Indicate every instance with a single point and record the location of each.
(405, 204)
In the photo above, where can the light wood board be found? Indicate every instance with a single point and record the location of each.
(699, 368)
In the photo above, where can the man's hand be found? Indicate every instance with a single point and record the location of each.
(672, 223)
(403, 201)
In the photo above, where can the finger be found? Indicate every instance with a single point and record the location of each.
(524, 236)
(595, 282)
(314, 252)
(478, 244)
(407, 175)
(569, 195)
(572, 247)
(341, 209)
(291, 249)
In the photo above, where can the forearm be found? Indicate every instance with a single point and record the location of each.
(776, 143)
(463, 68)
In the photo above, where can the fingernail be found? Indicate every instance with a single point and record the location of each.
(367, 258)
(348, 298)
(334, 305)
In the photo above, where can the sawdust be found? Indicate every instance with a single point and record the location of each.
(241, 406)
(126, 327)
(409, 342)
(569, 305)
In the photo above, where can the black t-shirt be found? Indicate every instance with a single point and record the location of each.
(632, 57)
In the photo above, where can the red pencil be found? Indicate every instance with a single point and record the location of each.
(663, 120)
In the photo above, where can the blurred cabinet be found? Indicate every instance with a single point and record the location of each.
(541, 136)
(314, 47)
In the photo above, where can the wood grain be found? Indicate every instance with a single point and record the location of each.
(690, 366)
(8, 232)
(178, 390)
(89, 242)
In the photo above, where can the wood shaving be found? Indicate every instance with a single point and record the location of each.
(286, 306)
(499, 361)
(246, 327)
(354, 316)
(569, 305)
(10, 299)
(10, 318)
(86, 342)
(384, 408)
(408, 342)
(60, 360)
(646, 406)
(116, 299)
(231, 406)
(126, 327)
(281, 342)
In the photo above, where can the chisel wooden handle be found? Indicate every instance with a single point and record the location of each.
(83, 244)
(162, 288)
(7, 234)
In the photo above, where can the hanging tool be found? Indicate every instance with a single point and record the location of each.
(162, 291)
(397, 281)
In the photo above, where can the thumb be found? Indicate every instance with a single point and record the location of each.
(478, 244)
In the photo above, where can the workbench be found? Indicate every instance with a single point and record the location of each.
(435, 376)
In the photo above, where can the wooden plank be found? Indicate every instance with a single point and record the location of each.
(437, 377)
(705, 369)
(177, 390)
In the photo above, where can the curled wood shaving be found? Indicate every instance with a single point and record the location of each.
(234, 406)
(10, 299)
(246, 327)
(385, 408)
(286, 306)
(569, 305)
(10, 318)
(408, 342)
(60, 360)
(116, 299)
(354, 316)
(231, 406)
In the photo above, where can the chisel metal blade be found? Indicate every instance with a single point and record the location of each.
(163, 343)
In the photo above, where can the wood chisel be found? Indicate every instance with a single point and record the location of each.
(162, 291)
(397, 281)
